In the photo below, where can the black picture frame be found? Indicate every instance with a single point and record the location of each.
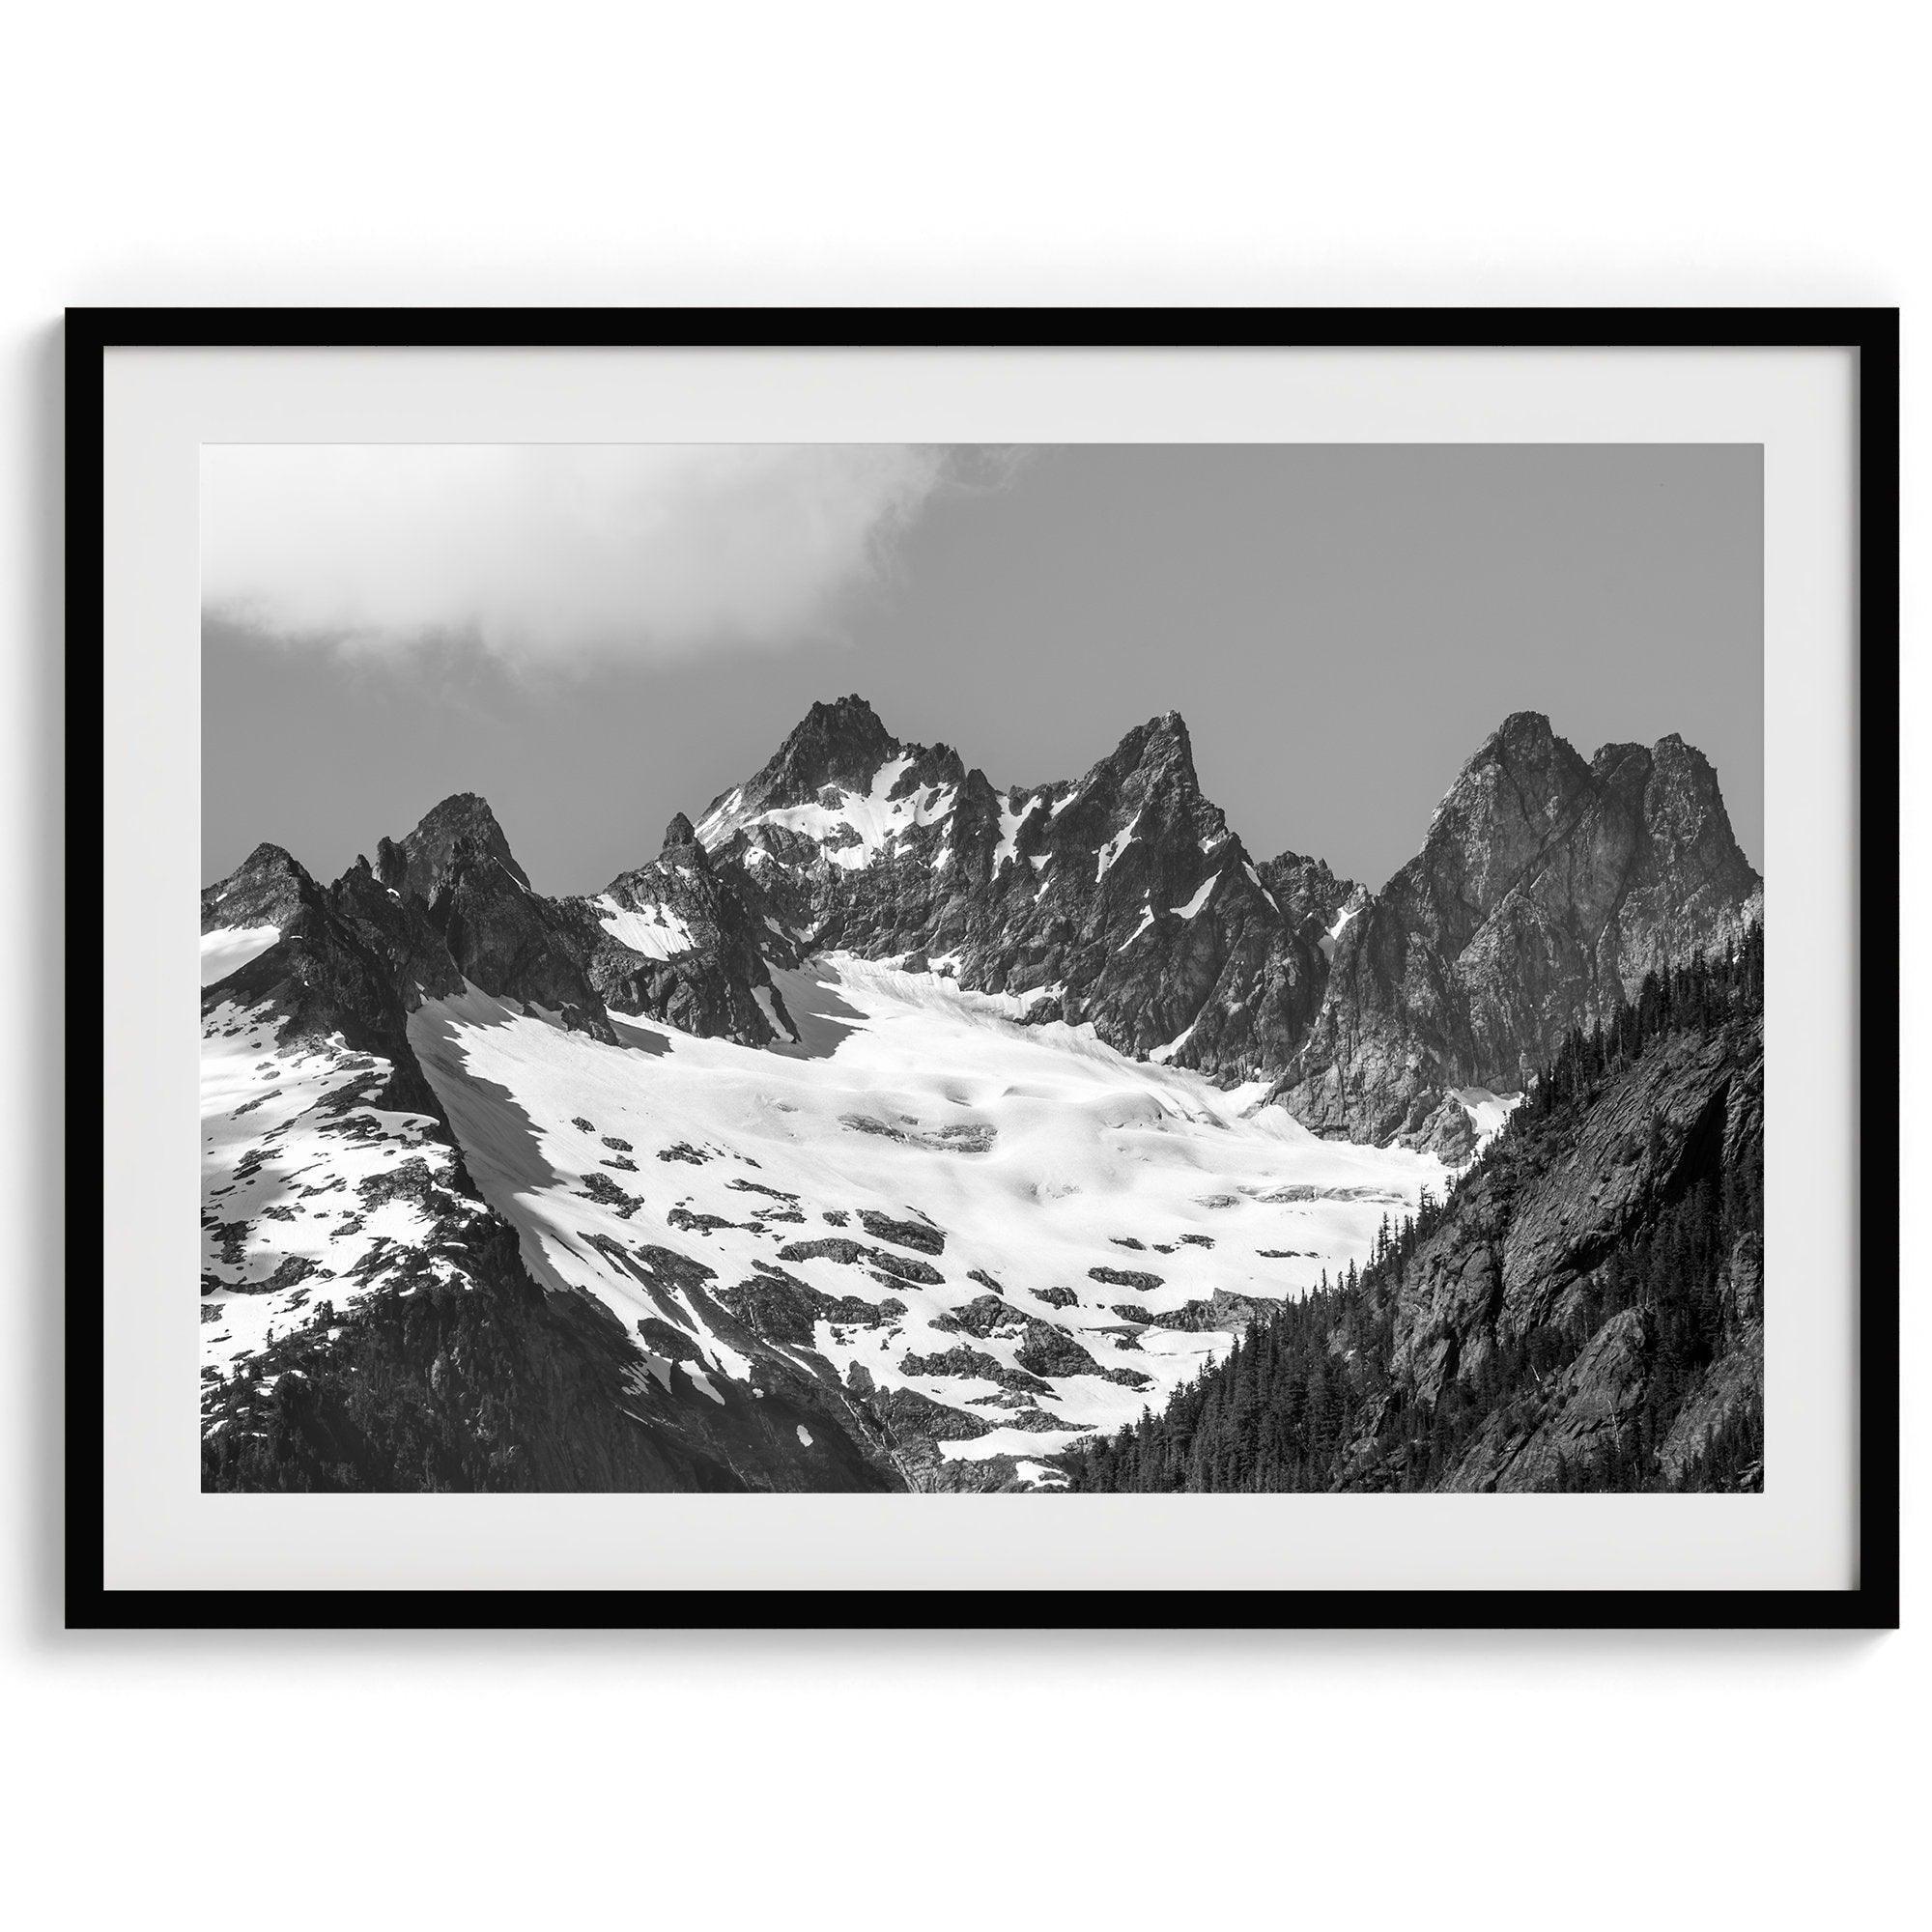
(1873, 333)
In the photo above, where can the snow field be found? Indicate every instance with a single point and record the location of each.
(1036, 1151)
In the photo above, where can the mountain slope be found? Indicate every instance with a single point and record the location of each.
(335, 1190)
(1586, 1310)
(674, 941)
(1122, 900)
(886, 1130)
(988, 1237)
(1544, 890)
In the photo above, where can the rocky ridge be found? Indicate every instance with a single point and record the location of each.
(1123, 899)
(1584, 1311)
(1546, 888)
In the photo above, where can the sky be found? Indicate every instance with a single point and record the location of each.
(597, 636)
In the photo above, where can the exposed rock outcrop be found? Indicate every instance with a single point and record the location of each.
(1123, 899)
(675, 941)
(1545, 889)
(505, 938)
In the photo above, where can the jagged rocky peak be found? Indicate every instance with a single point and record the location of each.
(502, 935)
(1545, 889)
(841, 744)
(1159, 750)
(681, 846)
(1505, 804)
(1145, 788)
(264, 890)
(1313, 898)
(1685, 805)
(461, 828)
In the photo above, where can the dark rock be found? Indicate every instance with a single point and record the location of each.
(983, 1316)
(602, 1188)
(1223, 1310)
(903, 1267)
(1029, 891)
(1545, 889)
(687, 1221)
(712, 978)
(504, 937)
(408, 1180)
(964, 1361)
(1126, 1278)
(266, 888)
(781, 1308)
(920, 1234)
(831, 1248)
(1051, 1352)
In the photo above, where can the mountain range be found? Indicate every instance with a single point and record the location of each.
(886, 1128)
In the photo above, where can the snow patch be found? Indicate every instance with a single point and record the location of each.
(1011, 822)
(283, 1165)
(1161, 1055)
(1115, 845)
(1031, 1147)
(854, 831)
(1200, 898)
(231, 948)
(1328, 939)
(1488, 1112)
(655, 931)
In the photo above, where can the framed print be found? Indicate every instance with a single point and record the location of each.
(1005, 968)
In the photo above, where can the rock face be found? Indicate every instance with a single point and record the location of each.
(675, 941)
(1584, 1311)
(1546, 888)
(1529, 1227)
(1317, 903)
(265, 889)
(1123, 899)
(457, 866)
(1532, 1236)
(338, 1021)
(350, 959)
(368, 1322)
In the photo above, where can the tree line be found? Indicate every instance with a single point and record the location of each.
(1310, 1398)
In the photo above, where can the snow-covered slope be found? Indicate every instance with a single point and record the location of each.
(998, 1237)
(313, 1196)
(886, 1130)
(1122, 900)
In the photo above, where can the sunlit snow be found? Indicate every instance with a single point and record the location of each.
(852, 833)
(1011, 822)
(1041, 1153)
(283, 1165)
(1200, 898)
(1328, 939)
(655, 931)
(232, 947)
(1488, 1112)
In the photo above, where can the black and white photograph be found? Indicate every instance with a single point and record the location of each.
(1046, 969)
(961, 965)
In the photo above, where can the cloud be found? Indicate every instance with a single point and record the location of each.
(540, 553)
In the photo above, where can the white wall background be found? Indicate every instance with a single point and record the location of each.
(859, 153)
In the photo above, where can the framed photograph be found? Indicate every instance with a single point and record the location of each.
(996, 968)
